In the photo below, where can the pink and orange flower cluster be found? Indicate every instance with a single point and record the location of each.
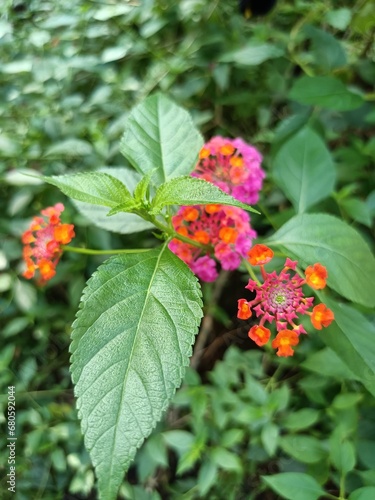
(43, 243)
(280, 299)
(223, 231)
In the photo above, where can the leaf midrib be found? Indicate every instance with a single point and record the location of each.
(131, 354)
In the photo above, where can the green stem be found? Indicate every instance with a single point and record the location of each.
(250, 270)
(91, 251)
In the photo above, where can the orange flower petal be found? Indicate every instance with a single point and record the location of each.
(190, 214)
(316, 276)
(204, 153)
(227, 149)
(202, 237)
(260, 255)
(64, 233)
(283, 342)
(228, 234)
(259, 334)
(212, 209)
(244, 311)
(321, 316)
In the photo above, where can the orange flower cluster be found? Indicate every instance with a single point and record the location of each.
(280, 298)
(43, 241)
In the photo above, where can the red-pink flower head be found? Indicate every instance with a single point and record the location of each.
(280, 299)
(43, 241)
(232, 165)
(225, 232)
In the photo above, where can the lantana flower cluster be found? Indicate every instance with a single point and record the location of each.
(280, 299)
(232, 165)
(43, 241)
(225, 232)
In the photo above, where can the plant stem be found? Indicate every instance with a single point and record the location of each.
(250, 270)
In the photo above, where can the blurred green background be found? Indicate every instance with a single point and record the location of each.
(69, 74)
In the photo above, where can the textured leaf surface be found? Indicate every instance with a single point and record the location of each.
(188, 190)
(325, 91)
(304, 170)
(131, 341)
(97, 188)
(160, 135)
(322, 238)
(120, 223)
(293, 485)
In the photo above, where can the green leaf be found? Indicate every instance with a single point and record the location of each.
(161, 135)
(326, 49)
(293, 485)
(92, 187)
(269, 437)
(305, 449)
(301, 419)
(131, 341)
(342, 454)
(326, 362)
(128, 206)
(252, 54)
(322, 238)
(358, 210)
(303, 168)
(324, 91)
(188, 190)
(69, 147)
(225, 459)
(351, 337)
(123, 223)
(365, 493)
(207, 476)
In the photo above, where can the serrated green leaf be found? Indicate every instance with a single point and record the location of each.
(141, 188)
(323, 238)
(123, 223)
(131, 341)
(159, 134)
(97, 188)
(303, 168)
(325, 91)
(188, 190)
(128, 206)
(293, 485)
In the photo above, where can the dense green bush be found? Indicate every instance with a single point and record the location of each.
(69, 75)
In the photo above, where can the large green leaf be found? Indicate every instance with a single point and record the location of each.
(97, 188)
(351, 336)
(325, 91)
(123, 223)
(293, 485)
(303, 168)
(325, 239)
(160, 135)
(188, 190)
(131, 341)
